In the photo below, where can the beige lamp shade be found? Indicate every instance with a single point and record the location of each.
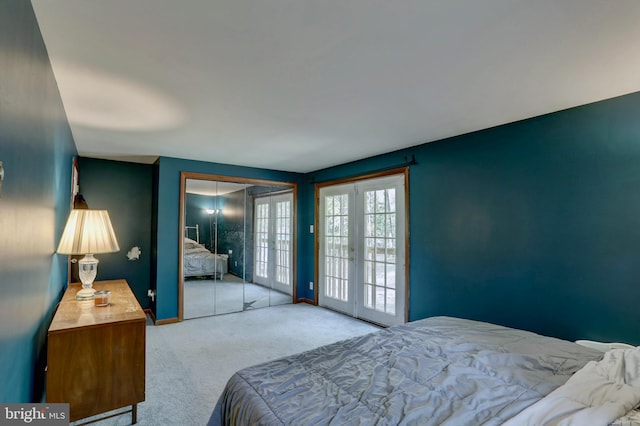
(88, 231)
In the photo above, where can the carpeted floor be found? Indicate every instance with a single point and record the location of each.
(188, 363)
(214, 297)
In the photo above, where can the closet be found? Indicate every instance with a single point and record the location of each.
(238, 244)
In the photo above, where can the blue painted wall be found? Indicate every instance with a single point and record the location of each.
(124, 190)
(37, 149)
(154, 232)
(231, 231)
(167, 231)
(534, 224)
(195, 214)
(235, 231)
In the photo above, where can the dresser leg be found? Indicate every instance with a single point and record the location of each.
(134, 414)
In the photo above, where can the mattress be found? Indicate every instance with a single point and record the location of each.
(199, 261)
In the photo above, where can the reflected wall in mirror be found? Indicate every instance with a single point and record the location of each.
(238, 244)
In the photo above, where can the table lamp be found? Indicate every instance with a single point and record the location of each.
(88, 232)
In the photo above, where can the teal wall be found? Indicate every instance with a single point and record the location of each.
(235, 231)
(167, 229)
(534, 224)
(195, 214)
(124, 190)
(37, 149)
(154, 232)
(232, 231)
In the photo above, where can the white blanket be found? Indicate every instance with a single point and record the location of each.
(598, 394)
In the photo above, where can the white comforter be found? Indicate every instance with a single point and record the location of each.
(598, 394)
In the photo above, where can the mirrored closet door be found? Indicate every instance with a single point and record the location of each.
(238, 244)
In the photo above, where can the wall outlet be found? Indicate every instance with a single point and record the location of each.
(310, 285)
(311, 229)
(230, 252)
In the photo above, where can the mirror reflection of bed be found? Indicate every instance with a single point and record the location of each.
(237, 246)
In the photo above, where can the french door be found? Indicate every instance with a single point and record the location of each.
(361, 241)
(273, 242)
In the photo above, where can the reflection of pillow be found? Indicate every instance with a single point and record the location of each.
(190, 244)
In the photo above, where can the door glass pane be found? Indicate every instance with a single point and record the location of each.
(368, 294)
(283, 241)
(273, 242)
(262, 240)
(391, 302)
(336, 237)
(379, 250)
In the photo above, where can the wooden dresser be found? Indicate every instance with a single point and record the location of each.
(96, 355)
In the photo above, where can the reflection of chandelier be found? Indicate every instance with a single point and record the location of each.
(212, 242)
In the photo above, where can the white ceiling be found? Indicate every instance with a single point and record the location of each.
(212, 188)
(300, 85)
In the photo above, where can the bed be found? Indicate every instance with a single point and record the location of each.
(439, 370)
(200, 262)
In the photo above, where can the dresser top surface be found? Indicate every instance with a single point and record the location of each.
(74, 313)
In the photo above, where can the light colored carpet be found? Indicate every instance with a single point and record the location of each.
(215, 297)
(189, 363)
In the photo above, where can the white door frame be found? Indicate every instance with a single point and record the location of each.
(336, 255)
(354, 254)
(275, 256)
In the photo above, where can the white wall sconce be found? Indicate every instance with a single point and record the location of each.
(1, 177)
(134, 253)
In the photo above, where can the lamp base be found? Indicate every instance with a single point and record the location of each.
(85, 294)
(87, 269)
